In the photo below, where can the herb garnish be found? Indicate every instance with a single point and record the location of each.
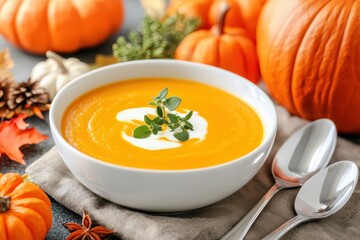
(171, 120)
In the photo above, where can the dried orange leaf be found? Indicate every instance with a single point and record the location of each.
(37, 112)
(19, 121)
(14, 134)
(5, 59)
(104, 60)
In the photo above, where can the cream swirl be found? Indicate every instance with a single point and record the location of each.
(164, 139)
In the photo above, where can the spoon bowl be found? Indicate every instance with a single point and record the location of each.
(328, 191)
(322, 195)
(307, 151)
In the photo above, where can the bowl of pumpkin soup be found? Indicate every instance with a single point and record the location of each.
(163, 135)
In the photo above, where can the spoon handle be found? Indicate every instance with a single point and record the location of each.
(239, 231)
(280, 231)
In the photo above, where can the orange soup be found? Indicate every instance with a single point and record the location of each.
(91, 124)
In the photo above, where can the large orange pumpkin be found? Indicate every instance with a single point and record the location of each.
(309, 53)
(25, 210)
(228, 48)
(60, 26)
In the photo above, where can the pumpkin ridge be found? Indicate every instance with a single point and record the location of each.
(186, 54)
(20, 226)
(3, 230)
(9, 182)
(28, 190)
(239, 48)
(243, 54)
(221, 49)
(334, 69)
(13, 24)
(320, 91)
(57, 33)
(36, 220)
(293, 90)
(27, 40)
(218, 56)
(82, 41)
(116, 24)
(278, 39)
(37, 205)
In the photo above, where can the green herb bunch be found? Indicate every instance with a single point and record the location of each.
(157, 38)
(172, 121)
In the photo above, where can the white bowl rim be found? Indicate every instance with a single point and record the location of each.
(75, 151)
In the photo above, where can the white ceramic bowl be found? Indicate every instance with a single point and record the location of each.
(158, 190)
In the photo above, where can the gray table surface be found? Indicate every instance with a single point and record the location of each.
(24, 63)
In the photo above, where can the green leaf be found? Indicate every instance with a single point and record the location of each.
(142, 131)
(159, 111)
(172, 103)
(189, 115)
(163, 93)
(153, 124)
(147, 120)
(161, 121)
(157, 102)
(188, 125)
(152, 104)
(173, 118)
(182, 136)
(155, 131)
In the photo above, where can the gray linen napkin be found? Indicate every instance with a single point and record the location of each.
(213, 221)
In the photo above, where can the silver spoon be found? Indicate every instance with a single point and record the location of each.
(322, 195)
(307, 151)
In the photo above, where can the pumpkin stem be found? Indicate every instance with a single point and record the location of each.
(4, 204)
(224, 9)
(58, 59)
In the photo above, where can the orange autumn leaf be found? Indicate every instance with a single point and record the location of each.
(14, 134)
(19, 121)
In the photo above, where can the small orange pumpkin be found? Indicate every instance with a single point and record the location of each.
(309, 54)
(207, 11)
(242, 13)
(25, 210)
(250, 11)
(61, 26)
(234, 16)
(228, 48)
(191, 8)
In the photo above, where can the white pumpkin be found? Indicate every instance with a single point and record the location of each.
(56, 72)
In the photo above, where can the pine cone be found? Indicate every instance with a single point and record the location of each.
(5, 86)
(27, 97)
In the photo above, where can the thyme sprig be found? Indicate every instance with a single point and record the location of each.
(156, 38)
(177, 124)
